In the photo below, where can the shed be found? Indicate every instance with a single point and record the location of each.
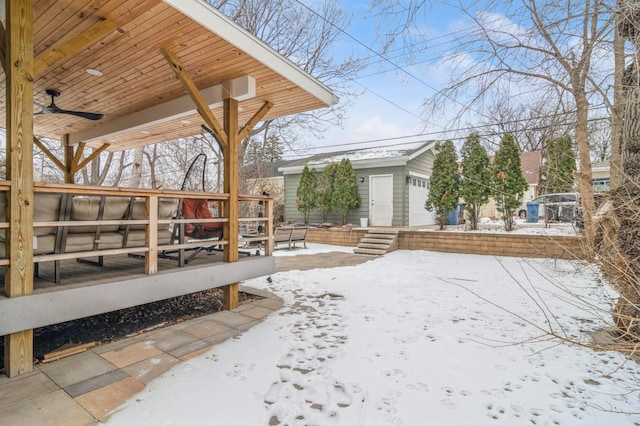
(393, 183)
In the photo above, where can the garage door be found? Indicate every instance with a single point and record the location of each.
(418, 193)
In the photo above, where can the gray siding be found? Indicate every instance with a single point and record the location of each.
(422, 164)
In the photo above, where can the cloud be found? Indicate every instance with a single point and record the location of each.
(376, 128)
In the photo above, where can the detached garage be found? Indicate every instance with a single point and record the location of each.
(393, 183)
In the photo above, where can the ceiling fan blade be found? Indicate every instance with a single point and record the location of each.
(52, 108)
(83, 114)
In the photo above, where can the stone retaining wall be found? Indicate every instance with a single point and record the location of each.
(498, 244)
(336, 236)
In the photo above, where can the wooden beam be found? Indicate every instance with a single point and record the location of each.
(77, 156)
(77, 167)
(231, 178)
(192, 90)
(68, 159)
(47, 59)
(231, 187)
(151, 236)
(49, 154)
(19, 149)
(259, 115)
(3, 47)
(230, 297)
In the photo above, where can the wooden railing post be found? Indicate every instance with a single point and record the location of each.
(268, 227)
(151, 236)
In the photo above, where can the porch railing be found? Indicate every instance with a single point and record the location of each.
(56, 226)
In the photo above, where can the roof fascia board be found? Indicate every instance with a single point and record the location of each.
(242, 88)
(422, 150)
(356, 164)
(216, 22)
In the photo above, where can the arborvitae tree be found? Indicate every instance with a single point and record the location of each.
(475, 183)
(345, 193)
(508, 182)
(326, 186)
(560, 164)
(444, 183)
(307, 192)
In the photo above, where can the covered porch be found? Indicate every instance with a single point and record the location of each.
(128, 74)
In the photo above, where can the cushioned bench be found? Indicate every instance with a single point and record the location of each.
(90, 238)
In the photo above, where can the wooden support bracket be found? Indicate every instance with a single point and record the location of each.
(194, 93)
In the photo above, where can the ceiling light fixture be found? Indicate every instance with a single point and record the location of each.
(94, 72)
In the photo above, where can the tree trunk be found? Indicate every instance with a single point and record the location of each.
(584, 175)
(615, 162)
(626, 197)
(136, 169)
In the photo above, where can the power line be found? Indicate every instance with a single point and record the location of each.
(385, 59)
(427, 134)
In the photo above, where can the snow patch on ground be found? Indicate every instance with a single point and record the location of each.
(413, 337)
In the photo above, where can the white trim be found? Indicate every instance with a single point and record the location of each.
(418, 175)
(422, 150)
(216, 22)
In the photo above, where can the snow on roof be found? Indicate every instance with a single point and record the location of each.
(405, 150)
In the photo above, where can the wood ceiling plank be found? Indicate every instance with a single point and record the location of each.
(91, 35)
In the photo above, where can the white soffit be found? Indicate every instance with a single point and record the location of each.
(241, 88)
(216, 22)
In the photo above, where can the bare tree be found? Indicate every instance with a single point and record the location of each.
(600, 137)
(308, 37)
(534, 44)
(532, 125)
(620, 241)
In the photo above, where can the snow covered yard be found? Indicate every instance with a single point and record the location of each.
(411, 338)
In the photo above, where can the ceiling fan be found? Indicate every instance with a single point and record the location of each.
(53, 108)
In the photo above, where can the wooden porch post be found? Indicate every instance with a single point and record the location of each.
(231, 186)
(69, 176)
(19, 148)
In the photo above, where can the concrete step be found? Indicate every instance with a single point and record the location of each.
(387, 237)
(382, 231)
(376, 241)
(373, 246)
(374, 252)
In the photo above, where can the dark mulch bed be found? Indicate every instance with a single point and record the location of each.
(116, 325)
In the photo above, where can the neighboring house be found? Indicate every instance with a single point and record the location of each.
(530, 162)
(393, 183)
(265, 177)
(600, 175)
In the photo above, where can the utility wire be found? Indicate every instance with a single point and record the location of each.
(385, 59)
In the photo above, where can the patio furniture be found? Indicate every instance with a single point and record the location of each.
(290, 235)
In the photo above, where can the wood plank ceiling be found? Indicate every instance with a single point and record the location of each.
(135, 76)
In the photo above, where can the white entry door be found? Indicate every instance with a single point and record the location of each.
(381, 200)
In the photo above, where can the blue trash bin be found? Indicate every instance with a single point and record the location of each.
(456, 216)
(532, 212)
